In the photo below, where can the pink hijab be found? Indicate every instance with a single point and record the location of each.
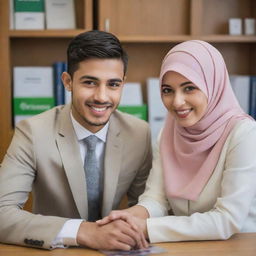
(189, 155)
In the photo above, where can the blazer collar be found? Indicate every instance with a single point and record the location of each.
(112, 164)
(69, 150)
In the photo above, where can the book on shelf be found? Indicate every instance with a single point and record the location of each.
(60, 14)
(252, 111)
(156, 109)
(32, 91)
(61, 95)
(29, 14)
(241, 87)
(59, 89)
(131, 101)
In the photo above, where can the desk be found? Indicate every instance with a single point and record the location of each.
(238, 245)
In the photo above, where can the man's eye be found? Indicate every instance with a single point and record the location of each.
(88, 82)
(114, 84)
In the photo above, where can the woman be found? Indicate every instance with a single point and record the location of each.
(203, 182)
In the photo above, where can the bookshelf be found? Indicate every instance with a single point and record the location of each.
(147, 29)
(31, 48)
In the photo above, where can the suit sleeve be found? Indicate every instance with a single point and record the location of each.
(228, 215)
(17, 174)
(138, 185)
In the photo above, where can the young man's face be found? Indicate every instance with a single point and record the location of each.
(96, 91)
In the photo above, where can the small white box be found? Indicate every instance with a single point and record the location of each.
(249, 26)
(235, 26)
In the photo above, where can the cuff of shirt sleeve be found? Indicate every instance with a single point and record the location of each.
(68, 234)
(154, 208)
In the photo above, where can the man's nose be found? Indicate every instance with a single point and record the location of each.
(101, 93)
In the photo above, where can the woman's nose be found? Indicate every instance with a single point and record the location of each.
(178, 100)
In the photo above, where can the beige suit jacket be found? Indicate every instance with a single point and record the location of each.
(44, 158)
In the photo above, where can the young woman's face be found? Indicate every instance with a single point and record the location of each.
(184, 100)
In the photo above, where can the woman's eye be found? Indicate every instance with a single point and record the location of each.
(166, 90)
(189, 88)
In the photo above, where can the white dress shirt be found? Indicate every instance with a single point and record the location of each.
(68, 234)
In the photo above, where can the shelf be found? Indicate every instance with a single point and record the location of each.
(45, 33)
(134, 39)
(181, 38)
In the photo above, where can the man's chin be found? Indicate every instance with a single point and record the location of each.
(96, 123)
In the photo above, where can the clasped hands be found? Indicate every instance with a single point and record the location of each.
(118, 231)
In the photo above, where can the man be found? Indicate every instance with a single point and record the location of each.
(73, 182)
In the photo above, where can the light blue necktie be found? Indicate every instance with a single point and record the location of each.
(93, 180)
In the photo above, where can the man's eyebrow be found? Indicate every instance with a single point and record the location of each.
(89, 77)
(115, 80)
(97, 79)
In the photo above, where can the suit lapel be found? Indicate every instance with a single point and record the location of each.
(112, 164)
(69, 150)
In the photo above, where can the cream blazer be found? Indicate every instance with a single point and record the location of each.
(44, 158)
(226, 205)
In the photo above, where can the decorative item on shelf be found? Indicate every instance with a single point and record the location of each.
(235, 26)
(29, 14)
(32, 91)
(249, 26)
(131, 101)
(60, 14)
(156, 109)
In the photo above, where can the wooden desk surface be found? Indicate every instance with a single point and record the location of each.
(238, 245)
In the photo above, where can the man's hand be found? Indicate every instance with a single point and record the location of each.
(116, 235)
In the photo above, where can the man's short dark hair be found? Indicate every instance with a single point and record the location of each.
(94, 44)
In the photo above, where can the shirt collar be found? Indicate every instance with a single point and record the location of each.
(83, 133)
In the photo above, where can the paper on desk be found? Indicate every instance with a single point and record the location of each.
(140, 252)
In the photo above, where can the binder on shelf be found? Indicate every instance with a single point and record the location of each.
(59, 90)
(11, 13)
(131, 101)
(60, 14)
(156, 109)
(61, 95)
(253, 96)
(138, 111)
(32, 91)
(241, 88)
(29, 14)
(131, 94)
(67, 94)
